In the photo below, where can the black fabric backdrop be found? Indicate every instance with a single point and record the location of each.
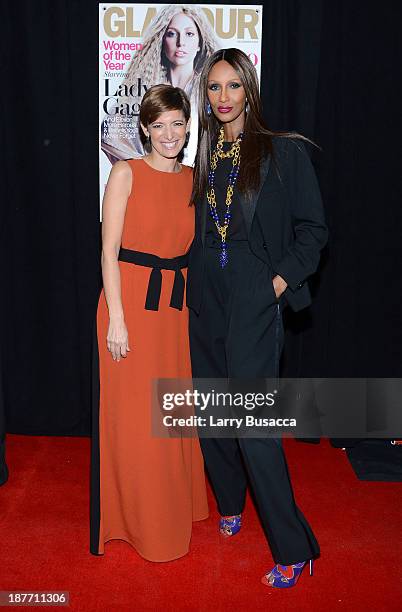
(330, 71)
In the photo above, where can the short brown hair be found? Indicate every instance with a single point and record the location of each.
(159, 99)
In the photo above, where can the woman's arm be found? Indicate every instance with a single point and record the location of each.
(310, 230)
(117, 191)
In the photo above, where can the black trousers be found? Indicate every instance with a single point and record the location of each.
(239, 334)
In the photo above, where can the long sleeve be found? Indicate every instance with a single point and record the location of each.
(310, 230)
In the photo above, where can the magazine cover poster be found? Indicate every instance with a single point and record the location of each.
(141, 45)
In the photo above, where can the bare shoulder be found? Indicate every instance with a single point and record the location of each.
(121, 168)
(121, 175)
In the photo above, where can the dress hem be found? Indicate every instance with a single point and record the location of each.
(125, 539)
(153, 560)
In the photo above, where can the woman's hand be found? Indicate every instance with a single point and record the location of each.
(279, 285)
(117, 339)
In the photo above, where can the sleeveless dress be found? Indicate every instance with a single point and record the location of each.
(146, 490)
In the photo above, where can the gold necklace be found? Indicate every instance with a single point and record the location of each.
(218, 153)
(233, 149)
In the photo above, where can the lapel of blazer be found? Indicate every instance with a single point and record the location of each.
(249, 207)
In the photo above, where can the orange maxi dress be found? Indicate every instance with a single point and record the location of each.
(144, 489)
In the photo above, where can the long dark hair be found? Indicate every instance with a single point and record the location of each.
(257, 139)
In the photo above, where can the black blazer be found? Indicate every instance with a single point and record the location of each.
(285, 225)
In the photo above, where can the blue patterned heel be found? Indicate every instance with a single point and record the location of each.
(285, 576)
(230, 525)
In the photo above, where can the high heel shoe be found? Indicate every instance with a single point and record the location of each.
(285, 576)
(230, 525)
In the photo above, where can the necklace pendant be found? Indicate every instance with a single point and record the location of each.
(223, 258)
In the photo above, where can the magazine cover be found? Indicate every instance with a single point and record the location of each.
(141, 45)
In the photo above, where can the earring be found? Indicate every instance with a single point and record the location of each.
(209, 109)
(246, 107)
(187, 139)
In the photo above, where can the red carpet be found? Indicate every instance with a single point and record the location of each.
(44, 541)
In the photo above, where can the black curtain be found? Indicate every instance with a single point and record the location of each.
(357, 323)
(329, 70)
(51, 244)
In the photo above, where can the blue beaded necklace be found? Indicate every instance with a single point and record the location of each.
(217, 154)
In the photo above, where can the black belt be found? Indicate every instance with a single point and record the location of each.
(155, 280)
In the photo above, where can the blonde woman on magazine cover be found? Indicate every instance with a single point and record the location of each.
(175, 48)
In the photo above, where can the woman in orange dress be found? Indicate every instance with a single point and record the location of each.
(144, 489)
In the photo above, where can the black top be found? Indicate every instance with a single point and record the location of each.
(237, 228)
(293, 225)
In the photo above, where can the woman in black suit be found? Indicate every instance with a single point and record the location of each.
(259, 231)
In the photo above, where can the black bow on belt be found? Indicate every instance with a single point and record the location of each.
(155, 280)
